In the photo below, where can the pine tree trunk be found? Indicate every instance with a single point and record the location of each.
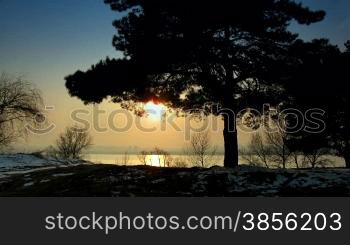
(230, 141)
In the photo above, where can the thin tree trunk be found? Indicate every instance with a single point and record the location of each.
(346, 153)
(296, 160)
(347, 160)
(230, 141)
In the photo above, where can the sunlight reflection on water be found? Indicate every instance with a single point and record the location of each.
(158, 160)
(151, 160)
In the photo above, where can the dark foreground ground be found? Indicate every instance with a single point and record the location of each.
(111, 180)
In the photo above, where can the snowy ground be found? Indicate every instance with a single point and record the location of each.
(24, 163)
(33, 176)
(30, 175)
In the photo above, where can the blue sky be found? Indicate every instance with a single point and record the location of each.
(54, 36)
(45, 40)
(336, 25)
(59, 37)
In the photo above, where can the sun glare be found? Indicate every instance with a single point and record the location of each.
(154, 111)
(155, 160)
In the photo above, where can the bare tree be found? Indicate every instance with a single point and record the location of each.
(179, 163)
(317, 157)
(7, 135)
(163, 157)
(257, 153)
(72, 142)
(20, 106)
(142, 156)
(277, 143)
(200, 149)
(167, 158)
(248, 156)
(296, 155)
(126, 158)
(260, 150)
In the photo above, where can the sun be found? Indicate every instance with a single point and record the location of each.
(154, 111)
(155, 160)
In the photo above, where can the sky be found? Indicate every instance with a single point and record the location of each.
(46, 40)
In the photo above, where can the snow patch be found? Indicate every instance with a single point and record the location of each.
(27, 163)
(157, 181)
(44, 181)
(62, 175)
(28, 184)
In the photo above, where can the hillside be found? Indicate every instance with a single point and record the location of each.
(84, 179)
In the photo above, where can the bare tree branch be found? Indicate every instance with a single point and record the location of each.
(20, 105)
